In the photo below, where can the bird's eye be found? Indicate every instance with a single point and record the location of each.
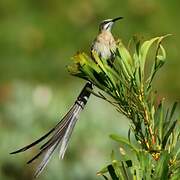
(106, 26)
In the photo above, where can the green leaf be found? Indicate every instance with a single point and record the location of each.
(165, 139)
(125, 55)
(161, 169)
(159, 120)
(144, 166)
(102, 171)
(98, 61)
(176, 175)
(173, 110)
(177, 152)
(124, 70)
(125, 59)
(125, 171)
(118, 169)
(144, 49)
(123, 141)
(175, 171)
(158, 62)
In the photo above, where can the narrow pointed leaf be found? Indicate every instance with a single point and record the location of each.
(123, 141)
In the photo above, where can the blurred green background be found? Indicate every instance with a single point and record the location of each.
(37, 40)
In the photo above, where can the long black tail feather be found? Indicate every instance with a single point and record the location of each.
(33, 143)
(46, 159)
(61, 133)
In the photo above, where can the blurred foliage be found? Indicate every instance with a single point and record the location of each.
(37, 39)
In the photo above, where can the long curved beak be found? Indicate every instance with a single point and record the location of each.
(116, 19)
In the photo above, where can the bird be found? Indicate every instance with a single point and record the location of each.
(105, 46)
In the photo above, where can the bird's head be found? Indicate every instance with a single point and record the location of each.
(107, 24)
